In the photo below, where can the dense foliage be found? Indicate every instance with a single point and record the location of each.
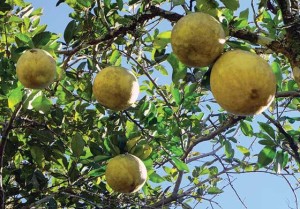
(55, 142)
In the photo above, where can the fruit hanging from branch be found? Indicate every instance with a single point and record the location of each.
(243, 83)
(126, 173)
(197, 39)
(36, 69)
(116, 88)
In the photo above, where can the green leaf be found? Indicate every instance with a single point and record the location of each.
(178, 2)
(41, 39)
(42, 104)
(85, 3)
(37, 154)
(180, 165)
(244, 14)
(179, 69)
(15, 97)
(210, 7)
(214, 190)
(243, 150)
(114, 57)
(101, 158)
(231, 4)
(266, 156)
(162, 40)
(229, 152)
(120, 4)
(70, 31)
(176, 95)
(190, 89)
(154, 177)
(277, 71)
(279, 160)
(4, 7)
(77, 145)
(23, 38)
(267, 128)
(246, 128)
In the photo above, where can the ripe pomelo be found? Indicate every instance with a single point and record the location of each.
(36, 69)
(116, 88)
(126, 173)
(197, 39)
(243, 83)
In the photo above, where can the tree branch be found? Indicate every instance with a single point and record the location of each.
(229, 123)
(288, 94)
(4, 138)
(289, 138)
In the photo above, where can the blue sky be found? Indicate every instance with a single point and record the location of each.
(257, 190)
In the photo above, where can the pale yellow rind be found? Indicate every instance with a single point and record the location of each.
(197, 39)
(126, 173)
(243, 83)
(116, 88)
(36, 69)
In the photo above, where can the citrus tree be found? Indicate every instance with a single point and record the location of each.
(57, 139)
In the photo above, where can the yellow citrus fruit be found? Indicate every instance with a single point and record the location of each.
(243, 83)
(197, 39)
(36, 69)
(126, 173)
(116, 88)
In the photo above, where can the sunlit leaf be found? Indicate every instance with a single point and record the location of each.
(266, 156)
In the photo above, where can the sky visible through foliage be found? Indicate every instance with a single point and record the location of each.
(257, 191)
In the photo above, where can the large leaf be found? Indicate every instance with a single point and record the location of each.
(231, 4)
(266, 156)
(70, 31)
(267, 128)
(180, 165)
(154, 177)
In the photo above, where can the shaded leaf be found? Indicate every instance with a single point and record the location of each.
(77, 145)
(70, 31)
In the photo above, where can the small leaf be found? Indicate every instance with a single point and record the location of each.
(266, 156)
(243, 150)
(180, 165)
(214, 190)
(85, 3)
(70, 31)
(77, 145)
(154, 177)
(178, 2)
